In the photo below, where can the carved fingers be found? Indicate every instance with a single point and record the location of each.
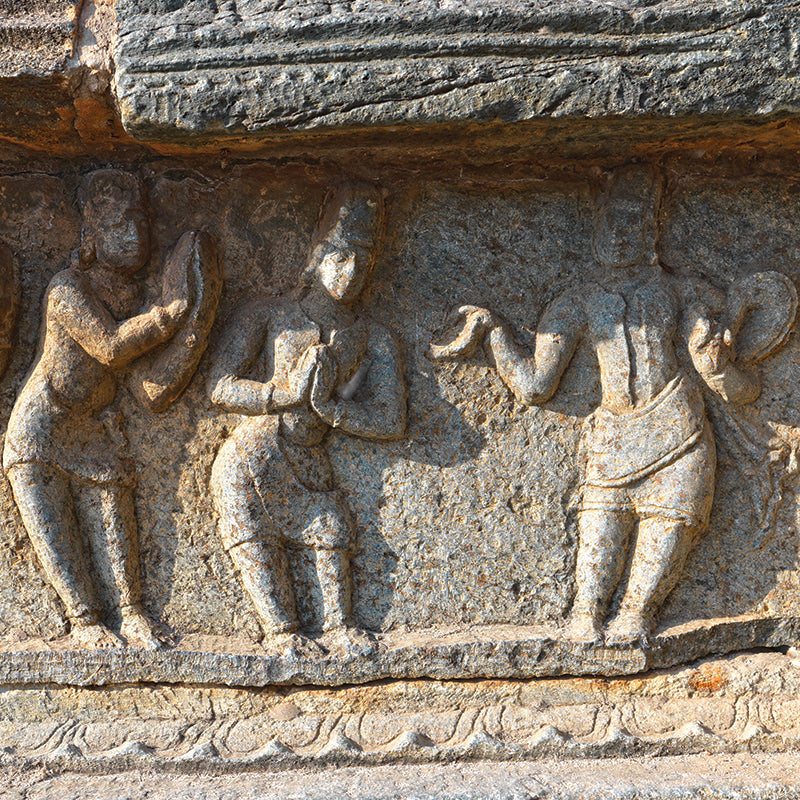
(178, 309)
(300, 377)
(313, 377)
(477, 321)
(178, 279)
(324, 382)
(709, 344)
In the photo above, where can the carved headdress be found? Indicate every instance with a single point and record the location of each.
(351, 213)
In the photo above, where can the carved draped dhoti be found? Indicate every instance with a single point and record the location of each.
(265, 487)
(658, 460)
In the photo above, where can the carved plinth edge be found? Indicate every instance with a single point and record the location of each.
(714, 707)
(502, 651)
(410, 748)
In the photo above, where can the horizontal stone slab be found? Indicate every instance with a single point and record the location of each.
(496, 651)
(720, 705)
(186, 73)
(740, 777)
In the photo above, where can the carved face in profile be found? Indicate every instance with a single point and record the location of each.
(116, 231)
(347, 242)
(625, 220)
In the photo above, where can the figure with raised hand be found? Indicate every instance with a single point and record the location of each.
(650, 453)
(65, 448)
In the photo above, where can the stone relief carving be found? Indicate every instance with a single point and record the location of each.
(65, 444)
(286, 489)
(9, 304)
(296, 367)
(649, 448)
(718, 705)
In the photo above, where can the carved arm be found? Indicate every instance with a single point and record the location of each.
(710, 350)
(240, 347)
(114, 344)
(532, 380)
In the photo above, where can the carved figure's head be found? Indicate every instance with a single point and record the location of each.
(116, 231)
(626, 218)
(347, 241)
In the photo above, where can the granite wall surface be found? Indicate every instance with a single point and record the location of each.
(397, 382)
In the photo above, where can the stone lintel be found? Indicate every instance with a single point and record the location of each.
(244, 74)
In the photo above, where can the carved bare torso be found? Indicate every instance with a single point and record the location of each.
(632, 328)
(56, 419)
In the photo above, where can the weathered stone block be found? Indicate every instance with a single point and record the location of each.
(235, 74)
(399, 383)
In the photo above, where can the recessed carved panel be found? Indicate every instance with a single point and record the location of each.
(297, 427)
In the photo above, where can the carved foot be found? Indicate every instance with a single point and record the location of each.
(96, 636)
(139, 631)
(583, 627)
(628, 627)
(351, 641)
(292, 645)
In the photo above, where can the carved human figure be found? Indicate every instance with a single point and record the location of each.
(649, 478)
(65, 447)
(295, 367)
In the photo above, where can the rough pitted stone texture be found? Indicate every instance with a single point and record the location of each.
(36, 36)
(469, 520)
(742, 703)
(291, 348)
(56, 66)
(188, 74)
(744, 777)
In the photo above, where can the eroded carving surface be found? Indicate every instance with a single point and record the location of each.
(650, 458)
(247, 69)
(297, 367)
(293, 495)
(9, 304)
(717, 706)
(65, 450)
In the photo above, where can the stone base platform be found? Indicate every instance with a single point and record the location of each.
(742, 776)
(497, 651)
(749, 702)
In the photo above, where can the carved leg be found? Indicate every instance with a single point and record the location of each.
(336, 582)
(603, 540)
(263, 567)
(661, 550)
(331, 533)
(110, 519)
(45, 502)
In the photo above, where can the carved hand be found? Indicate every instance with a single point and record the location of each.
(324, 381)
(477, 321)
(709, 346)
(300, 377)
(168, 318)
(178, 309)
